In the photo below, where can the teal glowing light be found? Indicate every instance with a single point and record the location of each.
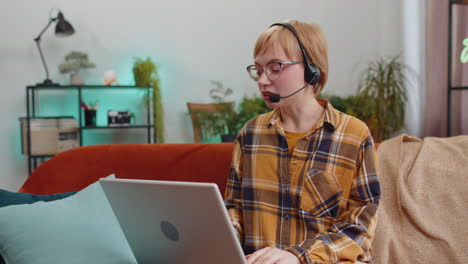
(464, 54)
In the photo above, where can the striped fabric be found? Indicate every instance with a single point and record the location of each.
(320, 202)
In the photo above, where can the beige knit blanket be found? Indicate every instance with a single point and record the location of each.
(423, 214)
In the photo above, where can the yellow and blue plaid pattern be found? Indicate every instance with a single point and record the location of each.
(320, 202)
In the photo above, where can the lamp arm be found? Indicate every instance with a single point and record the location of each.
(43, 60)
(38, 40)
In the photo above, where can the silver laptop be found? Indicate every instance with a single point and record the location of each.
(174, 222)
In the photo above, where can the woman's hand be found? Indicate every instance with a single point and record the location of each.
(271, 255)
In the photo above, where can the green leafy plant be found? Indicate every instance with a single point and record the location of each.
(381, 97)
(146, 75)
(222, 122)
(75, 61)
(382, 89)
(353, 105)
(227, 120)
(251, 107)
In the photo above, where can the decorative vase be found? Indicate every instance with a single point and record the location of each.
(76, 78)
(90, 118)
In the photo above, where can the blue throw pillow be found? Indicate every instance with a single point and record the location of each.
(8, 198)
(78, 229)
(13, 198)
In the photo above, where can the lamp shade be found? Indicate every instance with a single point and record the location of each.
(63, 27)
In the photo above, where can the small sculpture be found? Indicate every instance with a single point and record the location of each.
(109, 78)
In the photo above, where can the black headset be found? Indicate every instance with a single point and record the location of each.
(311, 73)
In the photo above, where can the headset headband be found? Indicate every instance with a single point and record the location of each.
(294, 32)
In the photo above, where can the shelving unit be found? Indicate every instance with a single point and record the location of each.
(450, 87)
(31, 112)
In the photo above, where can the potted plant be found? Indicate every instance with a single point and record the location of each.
(381, 97)
(227, 120)
(382, 92)
(146, 75)
(224, 121)
(74, 62)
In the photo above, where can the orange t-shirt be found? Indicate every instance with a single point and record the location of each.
(292, 138)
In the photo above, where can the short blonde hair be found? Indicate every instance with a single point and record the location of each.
(311, 36)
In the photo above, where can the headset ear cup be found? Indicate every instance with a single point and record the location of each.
(312, 74)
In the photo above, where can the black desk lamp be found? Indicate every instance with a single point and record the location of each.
(63, 28)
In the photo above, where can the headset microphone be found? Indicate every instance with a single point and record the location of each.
(275, 98)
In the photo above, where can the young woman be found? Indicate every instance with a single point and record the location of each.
(303, 184)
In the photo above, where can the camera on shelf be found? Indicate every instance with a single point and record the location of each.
(119, 118)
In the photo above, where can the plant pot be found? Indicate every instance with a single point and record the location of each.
(228, 138)
(76, 79)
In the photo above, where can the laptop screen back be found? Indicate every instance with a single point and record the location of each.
(174, 222)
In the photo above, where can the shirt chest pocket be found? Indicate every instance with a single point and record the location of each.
(321, 194)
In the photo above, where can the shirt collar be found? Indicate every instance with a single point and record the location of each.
(329, 119)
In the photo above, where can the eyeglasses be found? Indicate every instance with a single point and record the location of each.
(272, 70)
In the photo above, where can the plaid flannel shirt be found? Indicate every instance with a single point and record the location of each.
(320, 203)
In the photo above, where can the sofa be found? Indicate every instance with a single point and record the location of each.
(421, 215)
(75, 169)
(61, 213)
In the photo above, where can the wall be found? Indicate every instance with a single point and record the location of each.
(193, 42)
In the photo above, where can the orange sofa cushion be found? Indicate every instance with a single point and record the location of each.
(75, 169)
